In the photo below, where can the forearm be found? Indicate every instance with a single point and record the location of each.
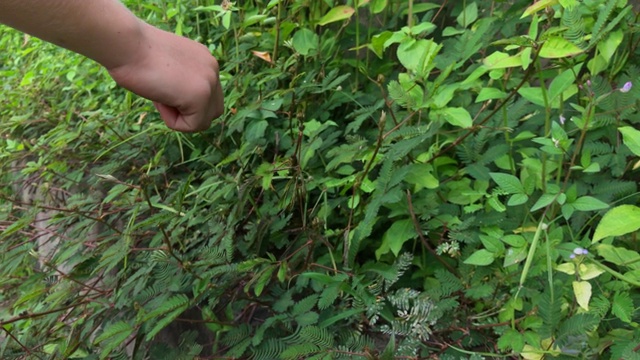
(103, 30)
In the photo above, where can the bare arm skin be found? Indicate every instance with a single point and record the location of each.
(179, 75)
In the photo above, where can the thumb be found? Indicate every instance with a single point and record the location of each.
(173, 118)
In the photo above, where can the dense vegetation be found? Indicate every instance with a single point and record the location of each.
(391, 180)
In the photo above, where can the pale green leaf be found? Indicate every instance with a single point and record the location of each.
(514, 255)
(567, 268)
(619, 255)
(481, 257)
(488, 93)
(338, 13)
(582, 292)
(589, 271)
(621, 220)
(589, 203)
(631, 138)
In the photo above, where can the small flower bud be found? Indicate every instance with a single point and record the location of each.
(627, 86)
(578, 251)
(562, 120)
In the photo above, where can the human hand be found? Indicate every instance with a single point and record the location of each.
(179, 75)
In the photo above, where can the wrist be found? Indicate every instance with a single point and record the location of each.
(130, 43)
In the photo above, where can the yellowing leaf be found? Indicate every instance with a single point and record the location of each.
(531, 353)
(557, 47)
(589, 271)
(537, 6)
(567, 268)
(582, 291)
(338, 13)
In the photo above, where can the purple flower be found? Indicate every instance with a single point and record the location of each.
(562, 120)
(585, 251)
(578, 251)
(572, 256)
(627, 86)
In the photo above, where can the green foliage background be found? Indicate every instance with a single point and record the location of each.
(391, 179)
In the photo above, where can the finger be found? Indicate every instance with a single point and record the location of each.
(177, 121)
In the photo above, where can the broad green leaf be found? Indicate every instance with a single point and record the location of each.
(422, 176)
(557, 47)
(492, 244)
(422, 7)
(621, 220)
(400, 232)
(514, 255)
(582, 292)
(500, 60)
(418, 55)
(544, 200)
(508, 183)
(619, 256)
(631, 138)
(515, 240)
(305, 42)
(457, 116)
(511, 339)
(488, 93)
(517, 199)
(377, 6)
(468, 15)
(338, 13)
(444, 95)
(481, 257)
(608, 47)
(561, 83)
(589, 203)
(537, 96)
(533, 28)
(378, 43)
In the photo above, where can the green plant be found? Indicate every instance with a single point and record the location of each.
(392, 179)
